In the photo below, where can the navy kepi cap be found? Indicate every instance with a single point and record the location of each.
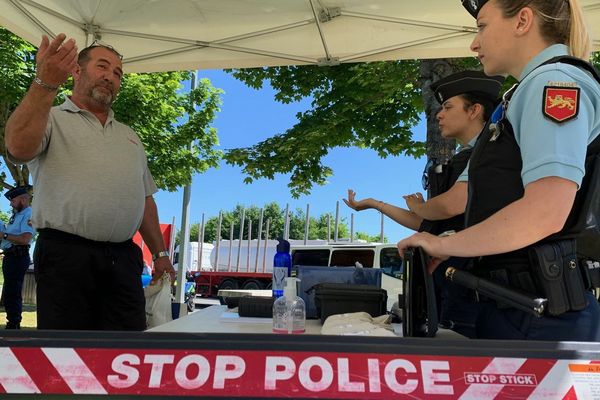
(475, 82)
(473, 6)
(17, 191)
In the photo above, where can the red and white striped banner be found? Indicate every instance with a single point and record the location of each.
(288, 374)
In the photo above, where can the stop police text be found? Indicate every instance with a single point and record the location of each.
(314, 374)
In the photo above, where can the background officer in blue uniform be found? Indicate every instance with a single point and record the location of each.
(527, 174)
(16, 238)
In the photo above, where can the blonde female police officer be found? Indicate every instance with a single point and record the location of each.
(527, 169)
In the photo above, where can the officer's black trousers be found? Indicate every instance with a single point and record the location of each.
(13, 270)
(88, 285)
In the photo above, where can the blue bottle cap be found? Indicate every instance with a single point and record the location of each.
(283, 246)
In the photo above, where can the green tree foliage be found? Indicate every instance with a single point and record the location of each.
(17, 69)
(4, 217)
(275, 214)
(366, 105)
(370, 238)
(152, 104)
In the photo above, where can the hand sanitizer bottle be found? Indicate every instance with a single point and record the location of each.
(289, 311)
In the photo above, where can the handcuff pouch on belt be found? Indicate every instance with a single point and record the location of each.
(556, 272)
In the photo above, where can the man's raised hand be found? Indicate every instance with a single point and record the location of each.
(56, 60)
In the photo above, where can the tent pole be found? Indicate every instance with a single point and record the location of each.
(184, 238)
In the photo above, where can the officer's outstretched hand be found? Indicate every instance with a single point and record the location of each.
(162, 265)
(431, 245)
(56, 59)
(413, 201)
(358, 205)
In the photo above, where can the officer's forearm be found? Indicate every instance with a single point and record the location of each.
(26, 126)
(402, 216)
(541, 212)
(21, 240)
(445, 205)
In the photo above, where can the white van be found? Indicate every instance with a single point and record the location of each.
(367, 255)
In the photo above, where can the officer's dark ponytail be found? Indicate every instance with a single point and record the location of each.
(561, 21)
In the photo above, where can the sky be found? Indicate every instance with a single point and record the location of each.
(248, 116)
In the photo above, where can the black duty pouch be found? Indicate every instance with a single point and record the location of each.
(557, 274)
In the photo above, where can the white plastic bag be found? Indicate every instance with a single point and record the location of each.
(158, 302)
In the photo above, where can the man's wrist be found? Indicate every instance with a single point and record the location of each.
(45, 85)
(160, 254)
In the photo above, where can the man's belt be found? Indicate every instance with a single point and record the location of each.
(54, 234)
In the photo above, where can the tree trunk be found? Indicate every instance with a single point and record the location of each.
(438, 148)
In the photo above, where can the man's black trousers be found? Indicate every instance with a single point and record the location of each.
(88, 285)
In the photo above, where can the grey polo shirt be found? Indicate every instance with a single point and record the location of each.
(90, 180)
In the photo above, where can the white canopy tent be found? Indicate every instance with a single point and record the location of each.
(161, 35)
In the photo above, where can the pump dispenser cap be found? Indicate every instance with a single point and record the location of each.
(289, 290)
(283, 246)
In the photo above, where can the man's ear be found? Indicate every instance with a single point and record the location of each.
(76, 72)
(524, 20)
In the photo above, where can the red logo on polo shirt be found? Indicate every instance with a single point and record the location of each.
(561, 104)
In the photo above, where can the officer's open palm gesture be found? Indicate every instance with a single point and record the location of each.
(55, 60)
(357, 205)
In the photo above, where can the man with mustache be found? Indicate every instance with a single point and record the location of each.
(93, 192)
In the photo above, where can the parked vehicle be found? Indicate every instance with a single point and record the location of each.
(192, 257)
(254, 272)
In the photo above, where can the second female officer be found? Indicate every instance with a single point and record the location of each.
(467, 99)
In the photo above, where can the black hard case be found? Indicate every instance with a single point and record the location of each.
(341, 298)
(310, 276)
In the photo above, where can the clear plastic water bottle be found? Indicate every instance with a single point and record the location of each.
(282, 267)
(289, 311)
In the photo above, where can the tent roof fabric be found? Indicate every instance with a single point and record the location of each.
(163, 35)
